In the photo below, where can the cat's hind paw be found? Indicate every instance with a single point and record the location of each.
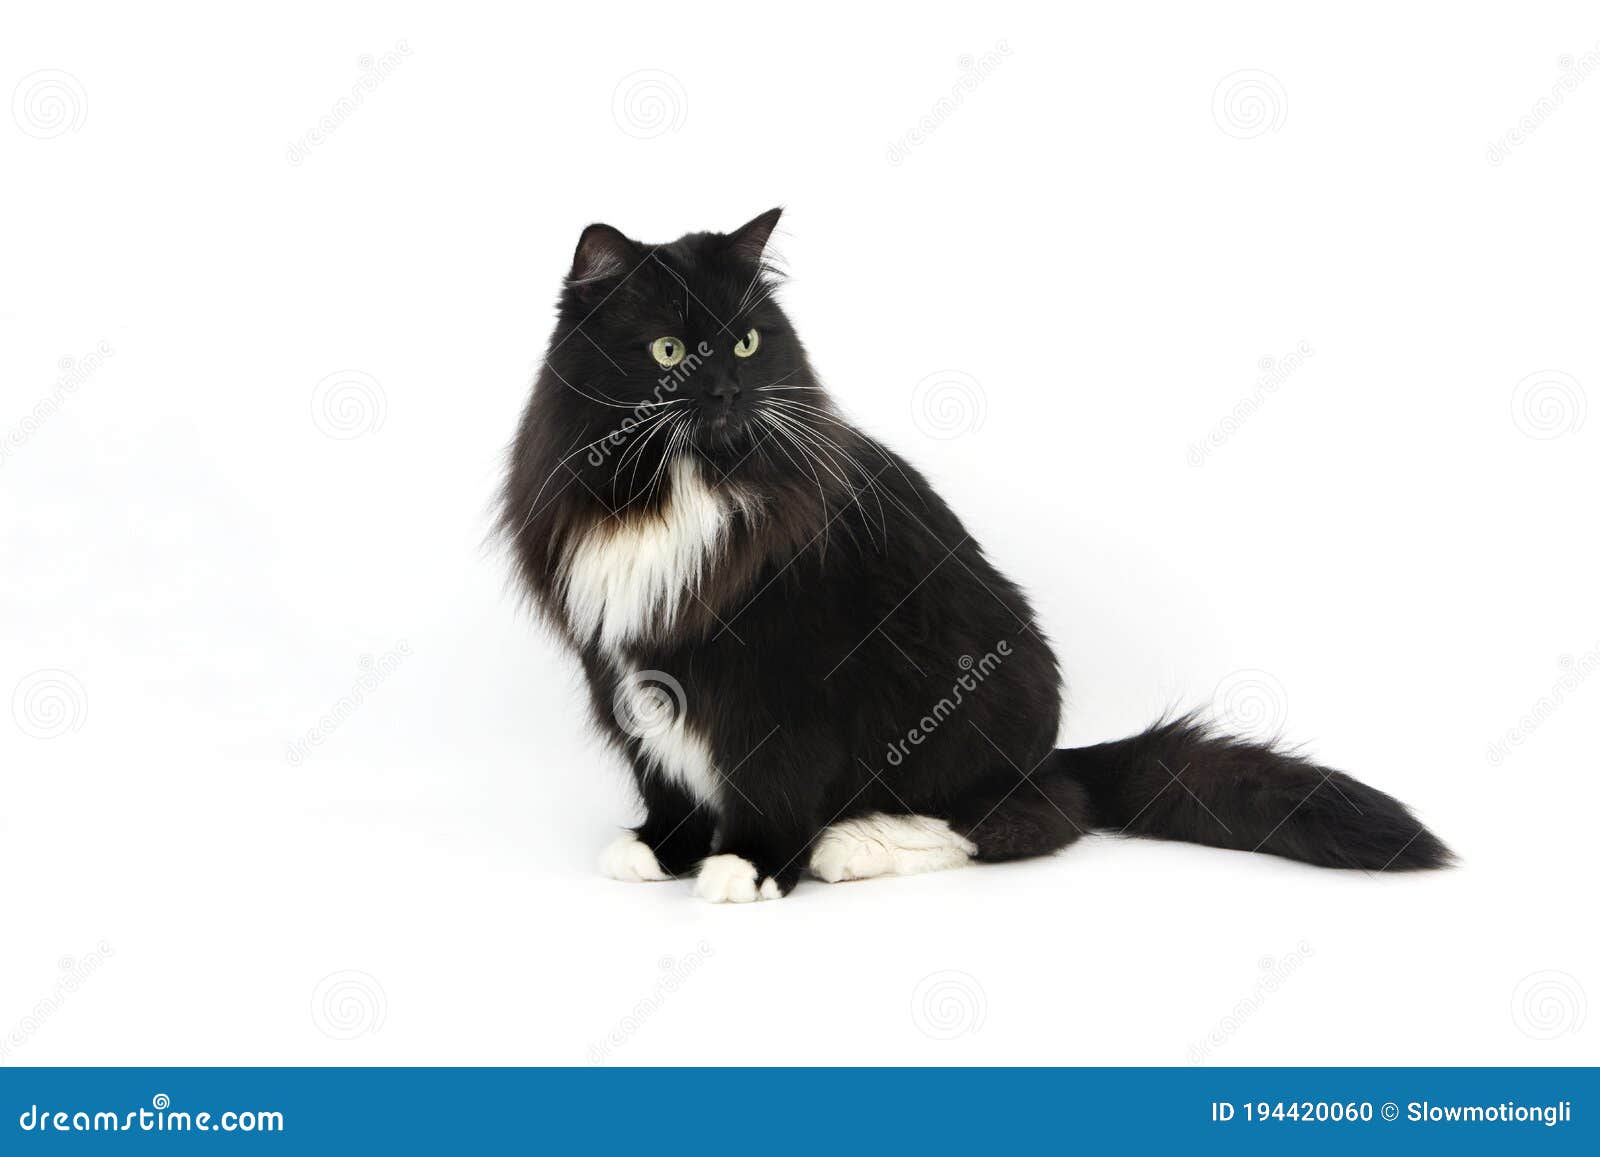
(882, 845)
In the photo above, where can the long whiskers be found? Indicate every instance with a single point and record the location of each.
(637, 452)
(868, 479)
(675, 443)
(785, 436)
(872, 443)
(606, 400)
(828, 454)
(533, 506)
(818, 452)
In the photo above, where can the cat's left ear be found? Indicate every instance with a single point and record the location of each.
(602, 252)
(749, 241)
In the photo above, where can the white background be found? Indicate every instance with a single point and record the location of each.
(1396, 546)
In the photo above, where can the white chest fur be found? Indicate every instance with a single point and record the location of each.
(624, 583)
(626, 579)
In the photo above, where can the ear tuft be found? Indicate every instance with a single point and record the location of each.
(749, 241)
(602, 252)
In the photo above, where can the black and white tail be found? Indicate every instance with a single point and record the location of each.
(1181, 781)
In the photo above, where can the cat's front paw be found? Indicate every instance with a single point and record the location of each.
(630, 859)
(733, 880)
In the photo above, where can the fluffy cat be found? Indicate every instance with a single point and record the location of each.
(806, 658)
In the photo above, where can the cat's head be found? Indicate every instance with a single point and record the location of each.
(672, 373)
(684, 336)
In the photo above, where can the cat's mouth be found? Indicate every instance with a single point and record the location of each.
(726, 428)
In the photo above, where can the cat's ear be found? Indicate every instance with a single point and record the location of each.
(749, 241)
(602, 252)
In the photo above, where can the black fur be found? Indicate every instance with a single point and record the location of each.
(851, 649)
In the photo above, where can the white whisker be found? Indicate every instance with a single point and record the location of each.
(534, 507)
(827, 447)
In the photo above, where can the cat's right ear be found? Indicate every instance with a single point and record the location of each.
(602, 253)
(749, 240)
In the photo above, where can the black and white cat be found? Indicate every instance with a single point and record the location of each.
(807, 659)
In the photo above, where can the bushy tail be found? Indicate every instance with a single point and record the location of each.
(1180, 781)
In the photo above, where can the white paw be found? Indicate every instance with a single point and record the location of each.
(629, 858)
(881, 845)
(840, 856)
(732, 880)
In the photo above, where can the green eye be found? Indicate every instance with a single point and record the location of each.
(668, 352)
(751, 343)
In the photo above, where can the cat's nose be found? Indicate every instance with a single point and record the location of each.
(723, 391)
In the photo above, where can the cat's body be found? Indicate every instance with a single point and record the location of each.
(806, 657)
